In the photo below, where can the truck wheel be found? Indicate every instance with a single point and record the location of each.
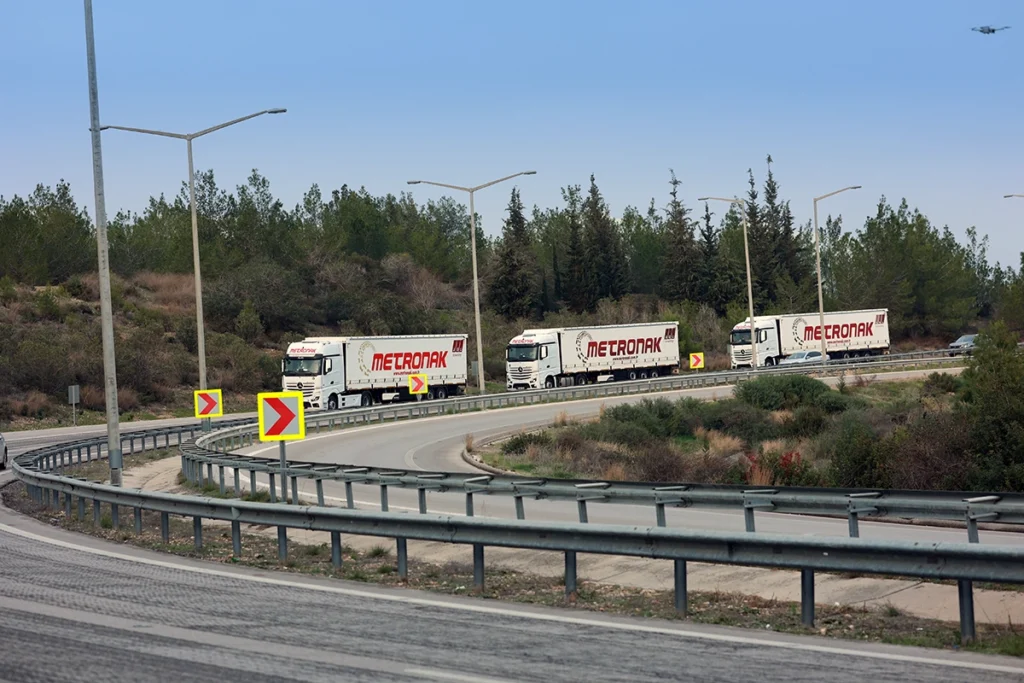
(366, 400)
(332, 402)
(549, 383)
(442, 393)
(643, 374)
(632, 375)
(654, 374)
(581, 380)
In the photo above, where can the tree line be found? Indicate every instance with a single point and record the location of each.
(387, 264)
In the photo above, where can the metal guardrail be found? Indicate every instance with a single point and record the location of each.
(963, 562)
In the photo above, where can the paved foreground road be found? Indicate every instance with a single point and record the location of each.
(74, 608)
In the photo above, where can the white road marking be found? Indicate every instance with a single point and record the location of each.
(677, 632)
(447, 676)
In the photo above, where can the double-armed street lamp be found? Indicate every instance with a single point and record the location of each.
(750, 287)
(472, 243)
(817, 251)
(1007, 196)
(188, 138)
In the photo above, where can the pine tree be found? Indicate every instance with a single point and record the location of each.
(514, 287)
(603, 250)
(679, 271)
(575, 285)
(707, 290)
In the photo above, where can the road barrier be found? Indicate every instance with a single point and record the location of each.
(41, 471)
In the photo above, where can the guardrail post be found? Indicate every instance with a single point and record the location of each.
(748, 518)
(165, 527)
(295, 490)
(236, 538)
(79, 455)
(659, 514)
(115, 521)
(336, 549)
(67, 505)
(209, 471)
(350, 501)
(807, 597)
(965, 590)
(422, 496)
(570, 574)
(403, 558)
(581, 507)
(282, 543)
(273, 492)
(520, 511)
(478, 567)
(320, 492)
(81, 508)
(238, 482)
(138, 520)
(96, 513)
(220, 479)
(197, 532)
(252, 482)
(383, 497)
(854, 524)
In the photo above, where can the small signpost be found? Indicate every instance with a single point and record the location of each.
(417, 384)
(697, 361)
(209, 403)
(282, 418)
(73, 400)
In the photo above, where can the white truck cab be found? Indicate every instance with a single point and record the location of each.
(316, 367)
(532, 360)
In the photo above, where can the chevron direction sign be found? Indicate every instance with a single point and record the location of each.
(417, 384)
(209, 403)
(281, 416)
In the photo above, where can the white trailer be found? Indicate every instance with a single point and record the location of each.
(848, 334)
(342, 372)
(545, 358)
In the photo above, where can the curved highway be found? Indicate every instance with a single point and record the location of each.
(435, 443)
(73, 608)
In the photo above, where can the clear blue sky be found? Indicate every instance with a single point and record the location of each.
(900, 97)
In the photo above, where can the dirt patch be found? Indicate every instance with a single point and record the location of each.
(377, 565)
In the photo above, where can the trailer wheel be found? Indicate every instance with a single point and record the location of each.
(366, 400)
(643, 374)
(581, 380)
(654, 374)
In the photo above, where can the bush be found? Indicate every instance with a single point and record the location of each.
(656, 417)
(772, 468)
(248, 325)
(186, 333)
(658, 462)
(851, 448)
(834, 402)
(933, 452)
(92, 398)
(781, 392)
(8, 292)
(939, 383)
(127, 399)
(740, 419)
(518, 444)
(75, 287)
(806, 421)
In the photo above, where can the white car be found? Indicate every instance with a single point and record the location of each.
(802, 357)
(5, 459)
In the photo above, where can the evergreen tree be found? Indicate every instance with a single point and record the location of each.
(514, 287)
(603, 251)
(575, 285)
(679, 262)
(706, 287)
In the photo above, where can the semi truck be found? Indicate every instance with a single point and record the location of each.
(847, 334)
(566, 356)
(344, 372)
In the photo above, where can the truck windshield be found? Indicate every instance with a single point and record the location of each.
(739, 337)
(303, 366)
(521, 353)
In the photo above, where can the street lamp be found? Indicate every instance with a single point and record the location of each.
(1007, 196)
(750, 287)
(817, 249)
(189, 137)
(472, 243)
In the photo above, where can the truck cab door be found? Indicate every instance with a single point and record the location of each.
(767, 344)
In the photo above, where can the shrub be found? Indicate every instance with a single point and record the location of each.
(933, 452)
(658, 462)
(740, 419)
(806, 421)
(851, 449)
(774, 468)
(518, 444)
(780, 392)
(35, 405)
(92, 398)
(127, 399)
(186, 333)
(8, 292)
(939, 383)
(48, 306)
(834, 402)
(248, 325)
(75, 287)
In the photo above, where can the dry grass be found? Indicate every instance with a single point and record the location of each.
(533, 453)
(774, 446)
(759, 475)
(718, 444)
(469, 443)
(780, 416)
(863, 381)
(127, 399)
(563, 420)
(35, 404)
(616, 471)
(601, 411)
(174, 292)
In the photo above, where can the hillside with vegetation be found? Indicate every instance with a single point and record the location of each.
(348, 262)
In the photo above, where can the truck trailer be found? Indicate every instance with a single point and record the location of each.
(344, 372)
(566, 356)
(848, 334)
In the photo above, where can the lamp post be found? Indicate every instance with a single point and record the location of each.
(750, 287)
(1007, 196)
(188, 138)
(817, 250)
(472, 243)
(103, 261)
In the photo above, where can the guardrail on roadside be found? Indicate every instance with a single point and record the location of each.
(963, 562)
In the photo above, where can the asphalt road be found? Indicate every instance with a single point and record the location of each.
(75, 608)
(435, 444)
